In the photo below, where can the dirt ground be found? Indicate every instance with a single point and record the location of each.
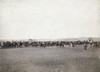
(53, 59)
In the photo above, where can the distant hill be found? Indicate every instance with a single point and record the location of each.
(65, 39)
(81, 39)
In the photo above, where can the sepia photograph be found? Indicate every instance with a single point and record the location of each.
(49, 35)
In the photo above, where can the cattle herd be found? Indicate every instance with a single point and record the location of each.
(43, 44)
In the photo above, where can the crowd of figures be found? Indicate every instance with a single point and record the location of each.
(43, 44)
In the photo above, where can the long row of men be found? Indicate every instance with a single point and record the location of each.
(22, 44)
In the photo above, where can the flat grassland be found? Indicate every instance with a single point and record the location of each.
(53, 59)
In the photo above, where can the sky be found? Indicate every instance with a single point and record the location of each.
(49, 19)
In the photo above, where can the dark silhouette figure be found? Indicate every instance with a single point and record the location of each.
(85, 46)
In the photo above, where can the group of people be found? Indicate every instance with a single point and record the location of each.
(23, 44)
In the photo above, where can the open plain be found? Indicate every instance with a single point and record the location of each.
(50, 59)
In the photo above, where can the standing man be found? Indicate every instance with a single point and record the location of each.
(85, 46)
